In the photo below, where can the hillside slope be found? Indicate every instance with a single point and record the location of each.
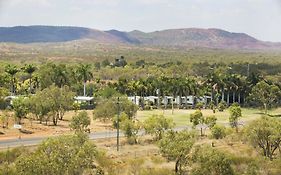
(179, 38)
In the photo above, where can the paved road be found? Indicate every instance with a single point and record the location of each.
(9, 143)
(36, 140)
(93, 136)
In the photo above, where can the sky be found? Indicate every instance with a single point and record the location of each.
(258, 18)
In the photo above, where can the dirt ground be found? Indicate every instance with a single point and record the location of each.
(39, 130)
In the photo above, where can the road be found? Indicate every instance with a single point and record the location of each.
(10, 143)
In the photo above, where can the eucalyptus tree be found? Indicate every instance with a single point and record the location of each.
(20, 108)
(12, 70)
(80, 122)
(69, 154)
(235, 114)
(265, 95)
(177, 146)
(29, 69)
(157, 125)
(265, 134)
(55, 102)
(84, 72)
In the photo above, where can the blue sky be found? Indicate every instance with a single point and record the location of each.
(258, 18)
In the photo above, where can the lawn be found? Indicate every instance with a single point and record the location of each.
(181, 116)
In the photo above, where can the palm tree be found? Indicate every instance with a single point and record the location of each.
(60, 76)
(29, 69)
(12, 70)
(85, 73)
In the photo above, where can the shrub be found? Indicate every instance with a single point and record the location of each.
(156, 125)
(222, 106)
(199, 105)
(218, 132)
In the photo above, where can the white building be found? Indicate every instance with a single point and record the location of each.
(84, 99)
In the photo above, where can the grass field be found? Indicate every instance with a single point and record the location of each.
(181, 117)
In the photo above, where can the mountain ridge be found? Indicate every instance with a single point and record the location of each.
(183, 37)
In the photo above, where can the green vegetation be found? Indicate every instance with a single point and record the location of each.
(265, 134)
(130, 128)
(176, 146)
(107, 109)
(80, 122)
(52, 156)
(235, 114)
(45, 90)
(265, 95)
(211, 161)
(157, 125)
(218, 132)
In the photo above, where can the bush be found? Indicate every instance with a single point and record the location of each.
(80, 122)
(218, 132)
(222, 106)
(147, 107)
(156, 125)
(107, 109)
(199, 105)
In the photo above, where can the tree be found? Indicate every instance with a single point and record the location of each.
(176, 146)
(120, 62)
(105, 63)
(218, 132)
(20, 108)
(207, 160)
(235, 114)
(12, 70)
(3, 93)
(130, 128)
(60, 76)
(264, 94)
(212, 106)
(107, 109)
(4, 118)
(197, 118)
(80, 122)
(210, 121)
(58, 156)
(39, 106)
(29, 69)
(85, 74)
(52, 101)
(156, 125)
(222, 106)
(265, 134)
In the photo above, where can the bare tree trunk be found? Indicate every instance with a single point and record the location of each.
(30, 89)
(228, 98)
(84, 88)
(172, 105)
(186, 101)
(233, 97)
(222, 96)
(239, 97)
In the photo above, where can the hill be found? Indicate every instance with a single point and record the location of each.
(34, 34)
(178, 38)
